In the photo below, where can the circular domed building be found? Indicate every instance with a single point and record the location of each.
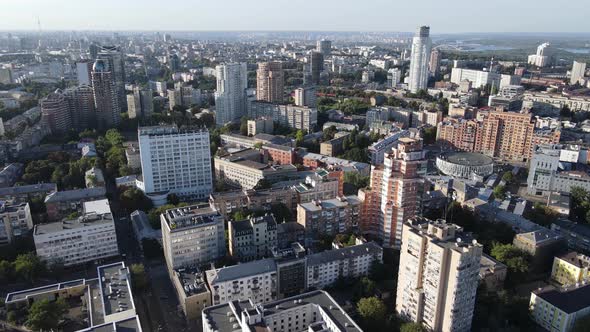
(465, 164)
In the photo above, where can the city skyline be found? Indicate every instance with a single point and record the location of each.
(327, 15)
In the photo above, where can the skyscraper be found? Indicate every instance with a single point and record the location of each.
(270, 82)
(175, 161)
(578, 71)
(420, 59)
(55, 109)
(396, 192)
(83, 70)
(116, 64)
(316, 65)
(106, 102)
(306, 97)
(140, 103)
(434, 64)
(324, 46)
(438, 275)
(230, 97)
(544, 56)
(82, 108)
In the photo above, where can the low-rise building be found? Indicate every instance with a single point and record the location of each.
(10, 174)
(260, 125)
(192, 236)
(318, 186)
(577, 236)
(328, 217)
(557, 310)
(15, 221)
(313, 311)
(571, 268)
(87, 238)
(61, 203)
(492, 273)
(253, 238)
(333, 147)
(133, 156)
(94, 178)
(288, 233)
(23, 193)
(192, 292)
(542, 244)
(280, 154)
(229, 202)
(256, 281)
(325, 268)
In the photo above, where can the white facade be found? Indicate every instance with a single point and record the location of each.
(15, 221)
(256, 281)
(230, 97)
(543, 57)
(305, 97)
(420, 58)
(299, 117)
(394, 76)
(478, 78)
(378, 149)
(192, 236)
(578, 71)
(84, 239)
(175, 161)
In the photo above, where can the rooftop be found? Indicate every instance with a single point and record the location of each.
(224, 317)
(574, 258)
(126, 325)
(330, 203)
(191, 280)
(29, 189)
(539, 237)
(90, 219)
(567, 300)
(188, 216)
(241, 271)
(344, 253)
(76, 194)
(115, 288)
(466, 158)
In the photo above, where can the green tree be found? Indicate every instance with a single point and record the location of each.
(372, 312)
(244, 126)
(263, 184)
(11, 317)
(241, 214)
(28, 266)
(412, 327)
(139, 279)
(508, 177)
(363, 288)
(499, 192)
(134, 199)
(429, 135)
(299, 137)
(173, 199)
(580, 204)
(114, 137)
(45, 315)
(582, 324)
(281, 212)
(6, 271)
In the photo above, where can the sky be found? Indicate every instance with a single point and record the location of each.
(450, 16)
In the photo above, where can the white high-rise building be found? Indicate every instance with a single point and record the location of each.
(83, 70)
(438, 275)
(394, 76)
(230, 97)
(578, 71)
(306, 97)
(176, 161)
(420, 59)
(543, 57)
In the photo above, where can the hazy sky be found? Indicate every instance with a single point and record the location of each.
(333, 15)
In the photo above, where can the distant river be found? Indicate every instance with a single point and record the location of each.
(577, 50)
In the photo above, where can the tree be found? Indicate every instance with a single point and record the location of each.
(412, 327)
(263, 184)
(173, 199)
(299, 137)
(134, 199)
(6, 271)
(244, 126)
(378, 271)
(499, 192)
(429, 135)
(372, 312)
(114, 137)
(139, 278)
(508, 177)
(241, 215)
(517, 261)
(28, 266)
(45, 315)
(580, 204)
(281, 212)
(364, 287)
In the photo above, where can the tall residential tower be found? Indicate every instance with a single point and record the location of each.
(420, 59)
(230, 97)
(269, 82)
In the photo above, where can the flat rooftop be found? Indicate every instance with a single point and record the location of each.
(25, 294)
(126, 325)
(192, 281)
(466, 158)
(223, 317)
(86, 220)
(241, 270)
(188, 216)
(115, 288)
(328, 256)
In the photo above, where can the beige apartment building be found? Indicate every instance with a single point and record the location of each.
(438, 275)
(270, 82)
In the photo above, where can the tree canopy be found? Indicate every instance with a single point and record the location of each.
(45, 315)
(372, 311)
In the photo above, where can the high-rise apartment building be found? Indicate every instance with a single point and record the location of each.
(394, 76)
(420, 59)
(175, 160)
(106, 100)
(306, 97)
(140, 103)
(55, 109)
(434, 63)
(270, 82)
(396, 192)
(83, 72)
(183, 95)
(299, 117)
(82, 107)
(324, 46)
(115, 60)
(316, 66)
(328, 217)
(5, 75)
(500, 134)
(192, 236)
(230, 96)
(438, 275)
(544, 57)
(578, 71)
